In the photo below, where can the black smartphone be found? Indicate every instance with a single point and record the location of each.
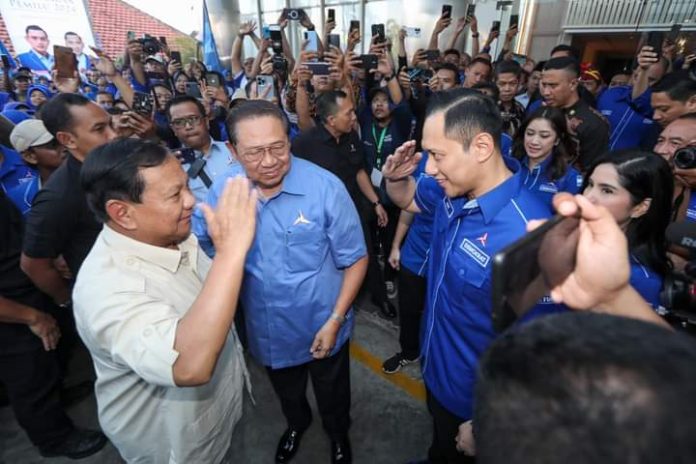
(276, 35)
(212, 79)
(495, 26)
(142, 103)
(673, 33)
(332, 15)
(193, 90)
(335, 40)
(369, 61)
(354, 26)
(163, 40)
(65, 60)
(655, 40)
(470, 11)
(318, 68)
(432, 55)
(525, 271)
(446, 11)
(514, 21)
(378, 30)
(176, 56)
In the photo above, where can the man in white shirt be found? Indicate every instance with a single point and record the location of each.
(155, 313)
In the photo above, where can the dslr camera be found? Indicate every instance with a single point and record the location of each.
(685, 158)
(150, 45)
(678, 296)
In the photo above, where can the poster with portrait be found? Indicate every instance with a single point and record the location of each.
(35, 26)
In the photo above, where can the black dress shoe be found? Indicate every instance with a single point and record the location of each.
(288, 445)
(387, 309)
(79, 444)
(341, 452)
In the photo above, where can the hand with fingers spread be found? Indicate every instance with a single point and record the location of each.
(232, 224)
(104, 64)
(402, 163)
(247, 28)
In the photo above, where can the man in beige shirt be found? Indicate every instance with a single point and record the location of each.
(155, 313)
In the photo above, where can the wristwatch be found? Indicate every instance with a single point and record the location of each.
(338, 318)
(475, 35)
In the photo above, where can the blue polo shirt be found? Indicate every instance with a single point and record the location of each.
(646, 282)
(538, 181)
(691, 209)
(217, 163)
(416, 248)
(22, 195)
(457, 325)
(306, 235)
(630, 120)
(13, 170)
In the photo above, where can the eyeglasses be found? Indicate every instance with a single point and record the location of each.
(188, 121)
(276, 150)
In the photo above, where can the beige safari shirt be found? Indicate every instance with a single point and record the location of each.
(128, 299)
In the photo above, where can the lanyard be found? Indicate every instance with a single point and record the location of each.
(379, 143)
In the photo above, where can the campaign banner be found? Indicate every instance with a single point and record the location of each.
(35, 26)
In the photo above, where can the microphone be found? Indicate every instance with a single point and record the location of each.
(682, 234)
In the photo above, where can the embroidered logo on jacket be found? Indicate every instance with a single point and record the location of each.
(468, 247)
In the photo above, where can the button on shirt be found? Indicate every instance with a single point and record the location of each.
(128, 299)
(457, 325)
(217, 162)
(538, 181)
(306, 235)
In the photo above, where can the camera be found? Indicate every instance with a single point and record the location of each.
(678, 296)
(280, 64)
(150, 45)
(295, 14)
(685, 158)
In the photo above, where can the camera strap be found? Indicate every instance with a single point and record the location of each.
(196, 170)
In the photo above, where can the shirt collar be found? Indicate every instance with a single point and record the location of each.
(326, 136)
(542, 165)
(493, 201)
(294, 182)
(166, 258)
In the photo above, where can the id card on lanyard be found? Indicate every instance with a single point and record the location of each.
(376, 175)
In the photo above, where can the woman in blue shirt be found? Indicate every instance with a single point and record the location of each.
(545, 149)
(636, 187)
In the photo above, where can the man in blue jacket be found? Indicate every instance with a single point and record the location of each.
(37, 59)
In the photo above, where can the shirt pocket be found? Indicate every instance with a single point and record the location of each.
(305, 248)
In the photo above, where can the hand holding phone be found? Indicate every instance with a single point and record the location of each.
(446, 11)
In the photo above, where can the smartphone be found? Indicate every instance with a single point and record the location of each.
(319, 68)
(142, 103)
(525, 271)
(446, 11)
(176, 56)
(412, 31)
(470, 11)
(276, 38)
(313, 41)
(519, 59)
(673, 33)
(212, 80)
(495, 26)
(131, 35)
(369, 61)
(335, 40)
(654, 40)
(378, 30)
(65, 60)
(193, 90)
(263, 82)
(266, 33)
(163, 40)
(432, 55)
(354, 26)
(332, 15)
(514, 21)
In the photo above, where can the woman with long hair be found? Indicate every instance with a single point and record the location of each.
(545, 150)
(637, 188)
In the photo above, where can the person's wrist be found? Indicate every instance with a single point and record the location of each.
(475, 34)
(376, 203)
(337, 319)
(311, 27)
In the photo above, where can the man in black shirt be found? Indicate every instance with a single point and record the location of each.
(60, 223)
(335, 146)
(589, 129)
(28, 365)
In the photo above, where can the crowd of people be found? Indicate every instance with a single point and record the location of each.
(170, 217)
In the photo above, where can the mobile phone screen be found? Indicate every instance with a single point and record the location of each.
(514, 20)
(470, 10)
(335, 40)
(313, 44)
(495, 26)
(446, 11)
(655, 39)
(524, 272)
(176, 56)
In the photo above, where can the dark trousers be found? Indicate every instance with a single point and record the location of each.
(331, 383)
(383, 237)
(376, 237)
(412, 289)
(443, 449)
(32, 380)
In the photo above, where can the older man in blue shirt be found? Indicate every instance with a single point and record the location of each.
(302, 274)
(484, 208)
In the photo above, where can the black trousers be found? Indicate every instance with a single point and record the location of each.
(331, 383)
(412, 288)
(443, 449)
(32, 380)
(384, 237)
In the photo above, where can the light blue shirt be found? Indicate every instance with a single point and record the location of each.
(217, 163)
(306, 235)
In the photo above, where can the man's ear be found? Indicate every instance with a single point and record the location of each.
(121, 213)
(691, 104)
(66, 139)
(482, 147)
(29, 157)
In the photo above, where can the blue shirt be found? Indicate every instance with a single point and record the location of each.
(647, 282)
(457, 325)
(217, 163)
(306, 235)
(416, 248)
(538, 181)
(22, 195)
(691, 209)
(13, 170)
(629, 120)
